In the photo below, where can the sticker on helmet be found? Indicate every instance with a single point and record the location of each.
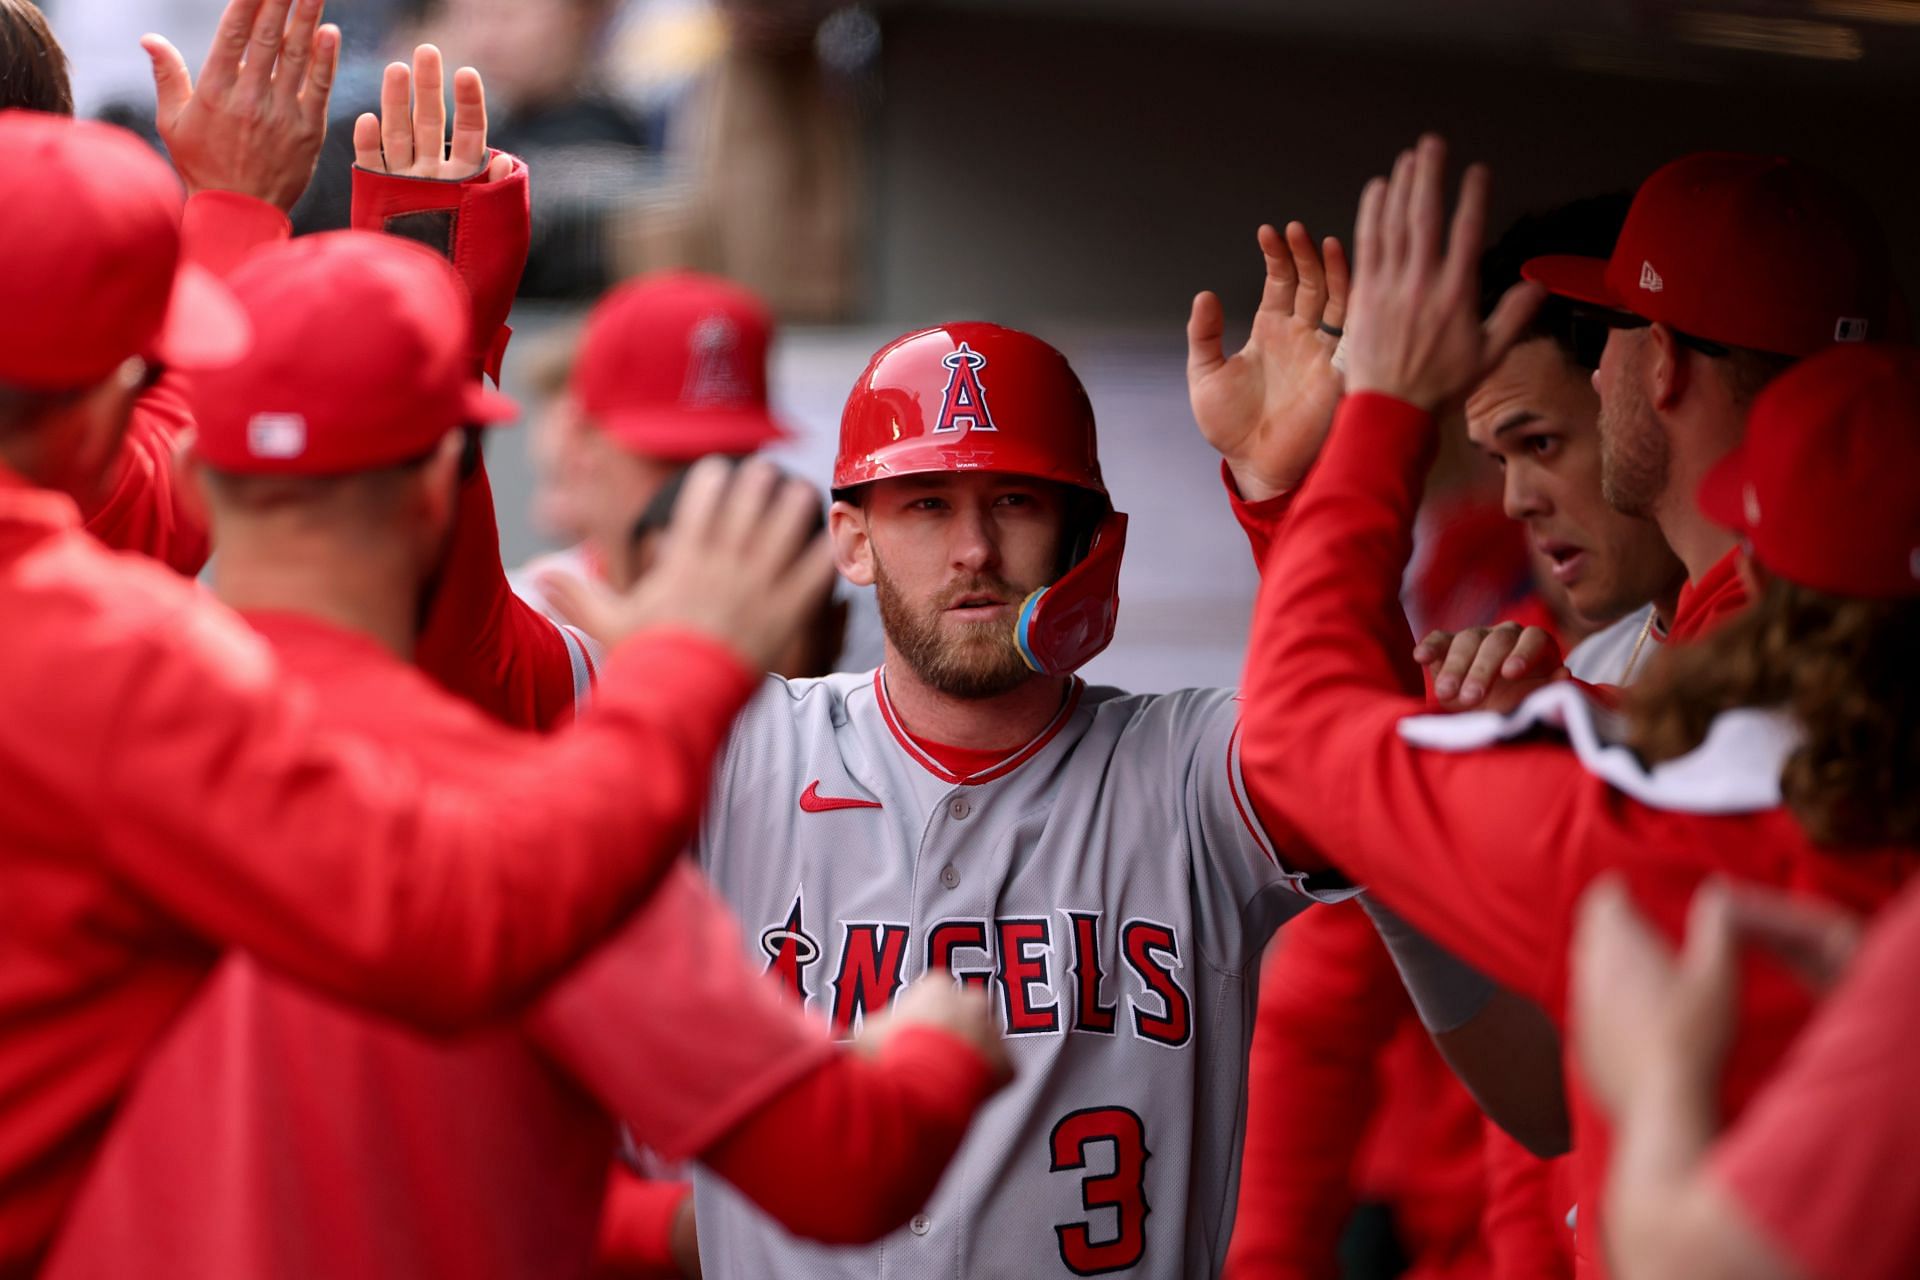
(963, 405)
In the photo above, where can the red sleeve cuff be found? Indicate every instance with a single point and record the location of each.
(221, 229)
(636, 1227)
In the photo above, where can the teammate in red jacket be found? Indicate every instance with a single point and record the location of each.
(1486, 850)
(272, 1133)
(168, 792)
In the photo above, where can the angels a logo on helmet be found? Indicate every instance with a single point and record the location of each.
(963, 405)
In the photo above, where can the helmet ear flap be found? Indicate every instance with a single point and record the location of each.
(1061, 627)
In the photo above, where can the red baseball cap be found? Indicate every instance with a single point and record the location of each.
(1744, 250)
(1825, 487)
(674, 366)
(360, 360)
(90, 270)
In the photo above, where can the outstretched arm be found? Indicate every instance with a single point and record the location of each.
(244, 140)
(1473, 849)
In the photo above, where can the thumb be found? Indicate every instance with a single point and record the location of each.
(172, 85)
(1510, 317)
(1204, 326)
(583, 604)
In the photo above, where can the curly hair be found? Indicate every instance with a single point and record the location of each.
(1844, 668)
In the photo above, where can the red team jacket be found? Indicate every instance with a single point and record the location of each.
(275, 1133)
(1486, 851)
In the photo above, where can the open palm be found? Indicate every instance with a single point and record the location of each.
(1267, 407)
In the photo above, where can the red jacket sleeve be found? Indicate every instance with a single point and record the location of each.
(487, 645)
(145, 506)
(877, 1132)
(1329, 1002)
(1525, 1224)
(636, 1227)
(1474, 849)
(213, 788)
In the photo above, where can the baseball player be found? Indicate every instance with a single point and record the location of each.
(229, 1158)
(170, 795)
(671, 367)
(1088, 858)
(1486, 850)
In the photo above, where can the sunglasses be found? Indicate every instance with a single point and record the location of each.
(1590, 325)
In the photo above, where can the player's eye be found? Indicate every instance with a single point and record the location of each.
(928, 503)
(1014, 500)
(1541, 446)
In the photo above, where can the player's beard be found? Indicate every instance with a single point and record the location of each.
(1635, 454)
(970, 660)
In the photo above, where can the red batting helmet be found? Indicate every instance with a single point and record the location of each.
(977, 397)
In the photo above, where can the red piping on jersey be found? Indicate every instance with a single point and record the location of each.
(813, 802)
(1233, 788)
(1001, 770)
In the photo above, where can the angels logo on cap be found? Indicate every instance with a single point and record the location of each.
(963, 405)
(713, 365)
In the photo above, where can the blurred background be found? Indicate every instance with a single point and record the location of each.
(1077, 167)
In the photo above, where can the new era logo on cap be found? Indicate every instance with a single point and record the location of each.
(1650, 279)
(277, 435)
(1850, 329)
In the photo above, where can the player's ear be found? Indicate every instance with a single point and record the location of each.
(1664, 366)
(439, 481)
(852, 545)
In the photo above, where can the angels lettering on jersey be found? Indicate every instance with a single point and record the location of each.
(1046, 975)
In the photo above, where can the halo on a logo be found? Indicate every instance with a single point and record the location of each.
(775, 940)
(963, 402)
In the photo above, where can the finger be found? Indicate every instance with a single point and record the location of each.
(1460, 651)
(429, 109)
(808, 577)
(172, 86)
(699, 500)
(1205, 324)
(1530, 655)
(1509, 321)
(263, 48)
(1426, 201)
(222, 67)
(1366, 227)
(1339, 281)
(396, 117)
(787, 522)
(586, 605)
(499, 167)
(1485, 668)
(1430, 649)
(1276, 296)
(1310, 302)
(741, 522)
(1461, 274)
(366, 142)
(469, 123)
(1709, 964)
(296, 54)
(1395, 214)
(319, 87)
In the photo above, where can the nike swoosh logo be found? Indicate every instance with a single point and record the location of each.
(811, 801)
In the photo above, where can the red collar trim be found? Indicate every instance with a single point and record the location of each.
(1704, 605)
(1007, 765)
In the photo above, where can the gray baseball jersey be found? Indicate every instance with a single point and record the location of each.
(1110, 888)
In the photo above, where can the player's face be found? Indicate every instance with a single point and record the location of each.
(1536, 415)
(952, 558)
(1635, 455)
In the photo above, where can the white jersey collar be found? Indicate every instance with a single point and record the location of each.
(1735, 769)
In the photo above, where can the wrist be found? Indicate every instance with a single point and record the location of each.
(1253, 485)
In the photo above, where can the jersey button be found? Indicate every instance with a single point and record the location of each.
(950, 876)
(920, 1225)
(959, 808)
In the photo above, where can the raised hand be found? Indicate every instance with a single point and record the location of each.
(1500, 664)
(1414, 328)
(411, 140)
(255, 121)
(739, 562)
(1267, 407)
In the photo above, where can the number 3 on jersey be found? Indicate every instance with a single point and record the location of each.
(1125, 1189)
